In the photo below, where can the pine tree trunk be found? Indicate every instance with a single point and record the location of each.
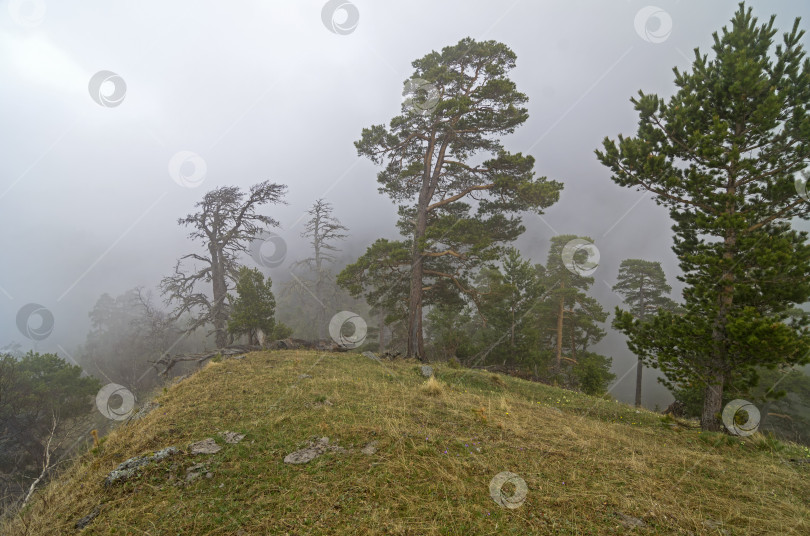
(713, 395)
(712, 404)
(640, 366)
(382, 332)
(573, 344)
(560, 314)
(416, 346)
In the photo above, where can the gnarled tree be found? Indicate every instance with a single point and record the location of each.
(322, 230)
(226, 222)
(459, 190)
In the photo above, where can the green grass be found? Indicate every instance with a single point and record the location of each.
(584, 460)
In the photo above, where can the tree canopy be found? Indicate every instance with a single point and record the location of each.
(459, 190)
(723, 154)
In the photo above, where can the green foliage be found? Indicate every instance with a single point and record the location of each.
(380, 276)
(508, 308)
(722, 154)
(254, 306)
(280, 331)
(781, 394)
(34, 390)
(442, 152)
(592, 372)
(643, 286)
(515, 324)
(451, 333)
(51, 385)
(569, 318)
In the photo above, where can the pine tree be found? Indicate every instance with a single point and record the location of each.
(568, 314)
(643, 286)
(254, 307)
(722, 154)
(441, 155)
(508, 312)
(226, 223)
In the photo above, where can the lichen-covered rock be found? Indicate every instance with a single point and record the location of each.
(206, 446)
(315, 449)
(126, 469)
(232, 438)
(149, 406)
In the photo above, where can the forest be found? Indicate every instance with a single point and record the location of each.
(724, 150)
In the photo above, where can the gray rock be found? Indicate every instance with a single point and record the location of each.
(369, 449)
(127, 468)
(303, 376)
(194, 471)
(206, 446)
(715, 526)
(427, 371)
(145, 409)
(315, 449)
(232, 437)
(86, 520)
(630, 521)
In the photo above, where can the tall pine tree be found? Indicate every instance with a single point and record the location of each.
(643, 286)
(459, 190)
(722, 154)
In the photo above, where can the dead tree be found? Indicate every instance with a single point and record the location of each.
(226, 223)
(322, 229)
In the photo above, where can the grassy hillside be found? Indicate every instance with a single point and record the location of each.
(591, 466)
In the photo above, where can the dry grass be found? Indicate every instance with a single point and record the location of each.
(432, 387)
(585, 460)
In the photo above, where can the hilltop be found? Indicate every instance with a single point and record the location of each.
(410, 455)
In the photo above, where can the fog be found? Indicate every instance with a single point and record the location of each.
(265, 90)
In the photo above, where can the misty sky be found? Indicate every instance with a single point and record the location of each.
(279, 90)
